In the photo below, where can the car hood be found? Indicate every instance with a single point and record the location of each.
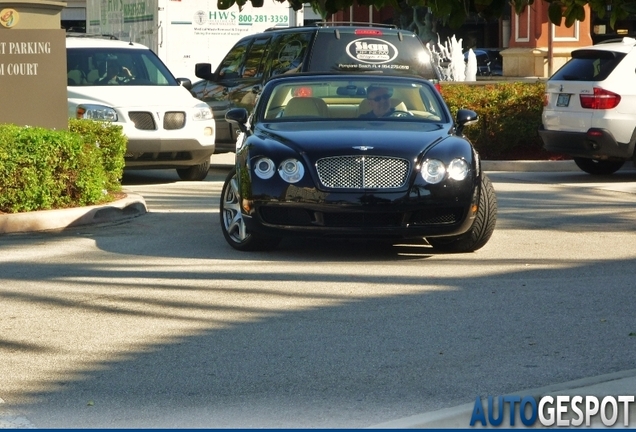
(318, 139)
(134, 96)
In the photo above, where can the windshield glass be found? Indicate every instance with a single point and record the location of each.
(372, 50)
(109, 66)
(364, 98)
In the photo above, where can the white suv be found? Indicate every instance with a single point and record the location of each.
(127, 84)
(590, 107)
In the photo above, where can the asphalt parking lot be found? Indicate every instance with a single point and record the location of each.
(155, 322)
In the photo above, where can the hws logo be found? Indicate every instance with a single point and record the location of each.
(372, 51)
(199, 17)
(221, 16)
(213, 17)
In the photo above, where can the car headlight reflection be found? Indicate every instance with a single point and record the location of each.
(458, 169)
(264, 168)
(202, 111)
(96, 112)
(433, 171)
(291, 170)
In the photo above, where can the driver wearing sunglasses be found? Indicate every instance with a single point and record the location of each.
(380, 100)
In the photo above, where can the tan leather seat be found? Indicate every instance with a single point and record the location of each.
(365, 106)
(92, 76)
(75, 77)
(306, 107)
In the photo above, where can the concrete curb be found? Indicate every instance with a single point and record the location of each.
(458, 417)
(48, 220)
(530, 166)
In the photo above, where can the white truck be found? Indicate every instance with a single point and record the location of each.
(185, 32)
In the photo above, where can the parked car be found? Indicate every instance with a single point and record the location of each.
(489, 62)
(326, 48)
(127, 84)
(590, 107)
(355, 155)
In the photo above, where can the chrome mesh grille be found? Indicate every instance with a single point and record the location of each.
(142, 120)
(174, 120)
(362, 172)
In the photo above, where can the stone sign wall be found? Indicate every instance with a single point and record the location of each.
(32, 68)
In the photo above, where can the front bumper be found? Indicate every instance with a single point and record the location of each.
(593, 144)
(166, 153)
(363, 215)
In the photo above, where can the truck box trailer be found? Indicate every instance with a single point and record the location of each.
(185, 32)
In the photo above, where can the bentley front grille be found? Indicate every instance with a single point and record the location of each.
(142, 120)
(174, 120)
(362, 172)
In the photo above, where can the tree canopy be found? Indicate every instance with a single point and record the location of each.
(455, 12)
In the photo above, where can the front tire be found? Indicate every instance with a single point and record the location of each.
(195, 173)
(598, 167)
(483, 225)
(232, 223)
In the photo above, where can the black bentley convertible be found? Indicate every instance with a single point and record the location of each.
(367, 155)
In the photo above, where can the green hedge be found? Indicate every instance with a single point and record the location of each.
(112, 144)
(509, 115)
(43, 169)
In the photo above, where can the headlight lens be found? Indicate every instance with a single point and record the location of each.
(458, 169)
(264, 168)
(291, 170)
(202, 112)
(433, 171)
(96, 112)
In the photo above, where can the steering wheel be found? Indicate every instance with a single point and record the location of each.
(398, 114)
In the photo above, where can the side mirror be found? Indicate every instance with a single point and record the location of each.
(238, 117)
(204, 71)
(185, 82)
(464, 118)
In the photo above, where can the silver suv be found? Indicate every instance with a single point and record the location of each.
(590, 107)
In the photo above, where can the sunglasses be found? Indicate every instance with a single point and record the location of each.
(385, 96)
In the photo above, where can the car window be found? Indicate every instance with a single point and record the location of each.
(95, 66)
(348, 100)
(589, 65)
(231, 64)
(254, 62)
(371, 50)
(288, 52)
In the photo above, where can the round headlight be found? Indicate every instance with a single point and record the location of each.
(433, 171)
(458, 169)
(291, 170)
(264, 168)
